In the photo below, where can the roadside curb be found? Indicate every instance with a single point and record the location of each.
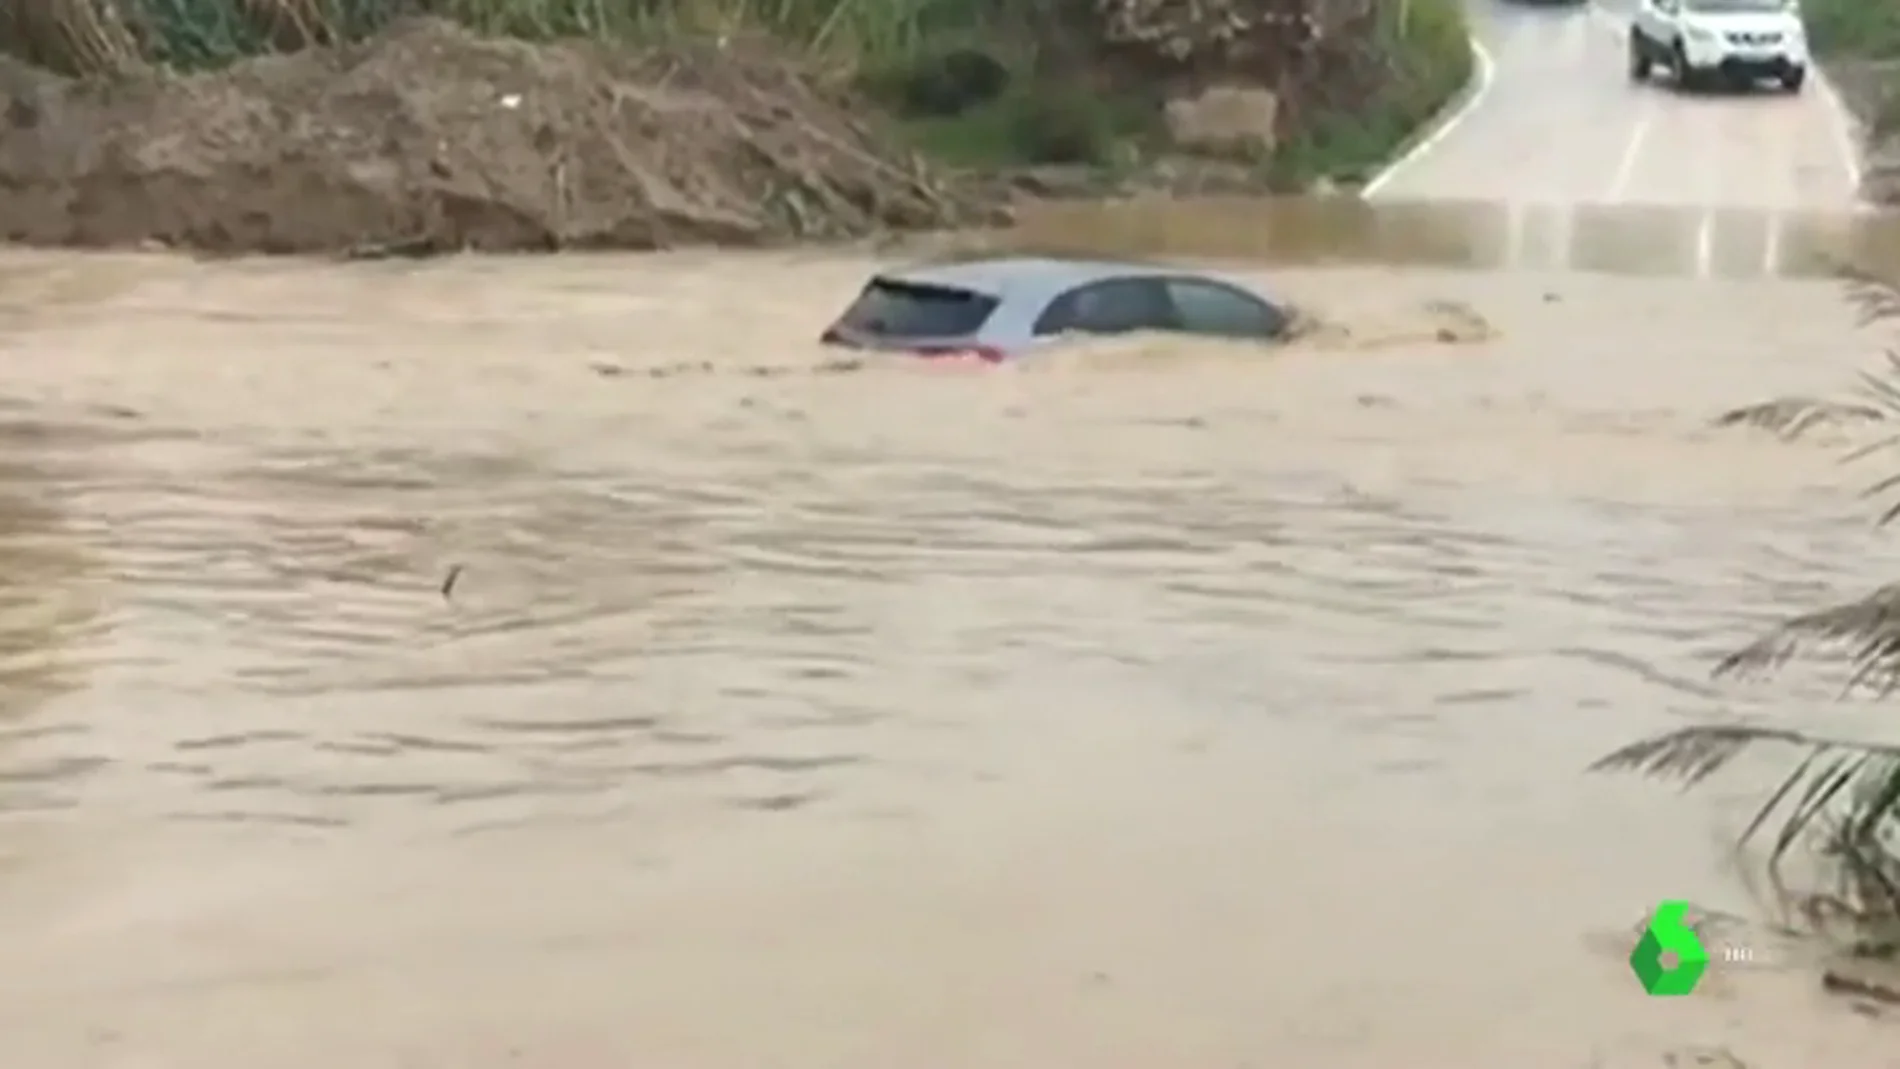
(1856, 147)
(1441, 123)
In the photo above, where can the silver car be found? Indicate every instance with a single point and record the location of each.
(996, 309)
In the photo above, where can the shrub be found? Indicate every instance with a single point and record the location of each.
(938, 83)
(1035, 123)
(93, 36)
(1423, 49)
(1868, 33)
(1866, 28)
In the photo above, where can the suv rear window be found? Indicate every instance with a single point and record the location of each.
(891, 309)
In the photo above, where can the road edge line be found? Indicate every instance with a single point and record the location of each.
(1847, 130)
(1483, 72)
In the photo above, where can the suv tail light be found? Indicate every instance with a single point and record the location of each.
(984, 353)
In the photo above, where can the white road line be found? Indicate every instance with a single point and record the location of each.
(1483, 72)
(1846, 127)
(1576, 40)
(1787, 145)
(1846, 130)
(1705, 245)
(1632, 152)
(1708, 154)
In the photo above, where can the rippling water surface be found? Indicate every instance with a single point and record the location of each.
(1154, 704)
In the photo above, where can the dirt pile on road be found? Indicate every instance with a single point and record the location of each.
(428, 138)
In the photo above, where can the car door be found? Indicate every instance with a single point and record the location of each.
(1216, 309)
(1112, 306)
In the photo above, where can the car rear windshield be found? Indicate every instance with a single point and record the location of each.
(892, 309)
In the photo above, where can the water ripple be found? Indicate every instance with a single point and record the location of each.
(693, 630)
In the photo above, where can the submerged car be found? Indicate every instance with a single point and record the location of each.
(1735, 43)
(995, 309)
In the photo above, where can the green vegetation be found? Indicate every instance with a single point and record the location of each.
(1864, 35)
(981, 106)
(85, 36)
(1839, 805)
(1861, 28)
(1038, 124)
(978, 83)
(1418, 61)
(1428, 47)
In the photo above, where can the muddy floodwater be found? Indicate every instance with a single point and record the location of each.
(1151, 704)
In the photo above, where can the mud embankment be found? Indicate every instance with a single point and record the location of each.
(428, 137)
(423, 136)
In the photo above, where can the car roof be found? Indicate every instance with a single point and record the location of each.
(1020, 276)
(1024, 286)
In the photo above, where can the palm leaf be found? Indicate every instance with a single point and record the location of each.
(1844, 790)
(1842, 795)
(1874, 296)
(1792, 417)
(1878, 402)
(1868, 629)
(1876, 300)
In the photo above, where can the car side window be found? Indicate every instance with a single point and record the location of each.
(1115, 306)
(1224, 311)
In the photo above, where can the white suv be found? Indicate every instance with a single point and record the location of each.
(1732, 42)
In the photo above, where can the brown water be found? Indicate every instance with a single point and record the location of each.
(1152, 704)
(1631, 239)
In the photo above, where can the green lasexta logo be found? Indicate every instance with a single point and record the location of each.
(1670, 958)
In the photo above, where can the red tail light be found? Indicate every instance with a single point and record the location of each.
(983, 353)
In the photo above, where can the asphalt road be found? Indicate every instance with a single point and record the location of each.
(1555, 120)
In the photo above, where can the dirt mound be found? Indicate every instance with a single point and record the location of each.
(428, 138)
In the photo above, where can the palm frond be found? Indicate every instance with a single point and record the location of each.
(1882, 389)
(1874, 296)
(1842, 798)
(1878, 401)
(1792, 417)
(1876, 300)
(1868, 629)
(1846, 790)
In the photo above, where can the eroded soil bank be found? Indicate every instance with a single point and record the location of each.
(429, 137)
(424, 135)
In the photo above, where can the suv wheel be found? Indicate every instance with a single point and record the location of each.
(1791, 81)
(1639, 57)
(1686, 80)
